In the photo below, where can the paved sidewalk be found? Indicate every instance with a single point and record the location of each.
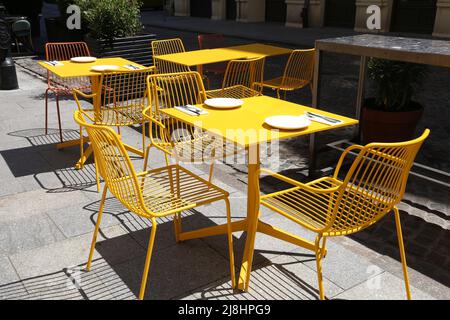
(267, 32)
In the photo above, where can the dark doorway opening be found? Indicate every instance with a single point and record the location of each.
(201, 8)
(231, 9)
(415, 16)
(276, 10)
(340, 13)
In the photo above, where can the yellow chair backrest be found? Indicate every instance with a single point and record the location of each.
(300, 66)
(167, 46)
(244, 72)
(171, 90)
(114, 164)
(176, 89)
(374, 184)
(124, 93)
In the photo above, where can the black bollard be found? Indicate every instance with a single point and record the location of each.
(8, 75)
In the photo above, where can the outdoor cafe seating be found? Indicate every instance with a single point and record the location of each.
(189, 124)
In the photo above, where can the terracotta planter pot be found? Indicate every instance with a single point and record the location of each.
(388, 126)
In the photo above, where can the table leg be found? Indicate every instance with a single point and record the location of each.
(95, 84)
(360, 96)
(253, 195)
(200, 70)
(315, 104)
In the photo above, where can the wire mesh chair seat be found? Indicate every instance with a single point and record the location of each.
(286, 83)
(302, 206)
(371, 188)
(118, 116)
(187, 192)
(151, 194)
(298, 73)
(62, 51)
(236, 92)
(241, 79)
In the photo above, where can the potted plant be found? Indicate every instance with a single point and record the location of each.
(392, 115)
(115, 29)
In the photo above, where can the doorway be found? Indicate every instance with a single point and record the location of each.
(201, 8)
(415, 16)
(340, 13)
(276, 10)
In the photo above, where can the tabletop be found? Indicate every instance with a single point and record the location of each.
(206, 56)
(425, 51)
(245, 125)
(76, 69)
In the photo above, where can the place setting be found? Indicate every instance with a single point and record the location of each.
(290, 122)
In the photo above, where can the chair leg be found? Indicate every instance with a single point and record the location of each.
(402, 252)
(146, 156)
(278, 94)
(319, 255)
(97, 176)
(211, 172)
(97, 227)
(177, 226)
(46, 111)
(59, 118)
(230, 244)
(81, 146)
(148, 259)
(143, 136)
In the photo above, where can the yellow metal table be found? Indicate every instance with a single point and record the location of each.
(69, 69)
(197, 58)
(245, 126)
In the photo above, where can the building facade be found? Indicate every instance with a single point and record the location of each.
(413, 16)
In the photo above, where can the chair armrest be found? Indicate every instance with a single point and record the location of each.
(299, 184)
(146, 112)
(77, 92)
(343, 156)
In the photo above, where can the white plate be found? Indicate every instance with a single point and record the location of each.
(288, 122)
(83, 59)
(104, 67)
(224, 103)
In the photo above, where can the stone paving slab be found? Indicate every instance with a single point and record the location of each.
(174, 270)
(28, 233)
(384, 286)
(284, 278)
(7, 272)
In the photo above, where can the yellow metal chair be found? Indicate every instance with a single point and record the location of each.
(173, 137)
(150, 194)
(168, 46)
(61, 51)
(242, 79)
(372, 187)
(298, 73)
(123, 97)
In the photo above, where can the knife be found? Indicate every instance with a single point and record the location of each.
(323, 117)
(192, 109)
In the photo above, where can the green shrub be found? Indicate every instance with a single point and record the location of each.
(395, 83)
(109, 19)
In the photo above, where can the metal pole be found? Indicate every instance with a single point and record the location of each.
(315, 104)
(360, 96)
